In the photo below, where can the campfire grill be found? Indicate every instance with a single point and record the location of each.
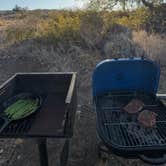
(113, 90)
(55, 117)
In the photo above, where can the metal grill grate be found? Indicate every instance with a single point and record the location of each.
(17, 128)
(122, 129)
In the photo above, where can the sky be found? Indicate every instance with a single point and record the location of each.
(41, 4)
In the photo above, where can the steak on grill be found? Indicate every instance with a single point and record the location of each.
(134, 106)
(147, 118)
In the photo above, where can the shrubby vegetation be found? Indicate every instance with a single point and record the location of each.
(81, 26)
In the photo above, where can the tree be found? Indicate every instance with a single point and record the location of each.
(151, 3)
(109, 4)
(19, 9)
(101, 4)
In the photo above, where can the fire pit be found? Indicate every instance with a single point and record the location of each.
(55, 117)
(115, 84)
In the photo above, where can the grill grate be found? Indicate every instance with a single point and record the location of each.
(17, 127)
(122, 129)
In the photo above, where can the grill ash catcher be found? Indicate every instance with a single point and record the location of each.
(54, 117)
(115, 83)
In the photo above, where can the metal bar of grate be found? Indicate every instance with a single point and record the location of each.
(121, 136)
(128, 123)
(120, 108)
(18, 128)
(121, 94)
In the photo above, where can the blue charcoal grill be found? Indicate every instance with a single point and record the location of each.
(115, 83)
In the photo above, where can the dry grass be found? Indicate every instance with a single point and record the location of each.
(154, 45)
(5, 22)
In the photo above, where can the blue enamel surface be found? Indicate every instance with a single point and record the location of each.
(125, 74)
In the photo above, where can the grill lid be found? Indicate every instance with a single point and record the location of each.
(136, 74)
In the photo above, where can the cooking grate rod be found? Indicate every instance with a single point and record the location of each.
(118, 108)
(127, 123)
(122, 95)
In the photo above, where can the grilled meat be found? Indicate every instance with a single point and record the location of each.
(134, 106)
(147, 118)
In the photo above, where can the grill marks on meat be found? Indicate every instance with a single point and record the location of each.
(134, 106)
(147, 118)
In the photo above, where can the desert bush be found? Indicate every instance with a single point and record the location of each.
(91, 27)
(156, 22)
(23, 31)
(60, 28)
(139, 19)
(84, 27)
(135, 19)
(153, 45)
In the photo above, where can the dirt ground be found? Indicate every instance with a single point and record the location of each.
(83, 147)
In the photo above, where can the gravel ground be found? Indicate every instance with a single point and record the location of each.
(29, 56)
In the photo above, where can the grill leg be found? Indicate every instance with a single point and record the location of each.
(65, 153)
(42, 147)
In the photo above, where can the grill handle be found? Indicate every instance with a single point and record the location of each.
(161, 96)
(157, 161)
